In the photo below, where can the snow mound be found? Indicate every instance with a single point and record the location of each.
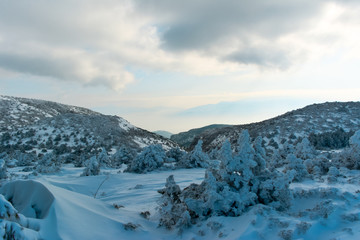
(30, 198)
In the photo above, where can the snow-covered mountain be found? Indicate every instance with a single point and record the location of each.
(43, 126)
(289, 127)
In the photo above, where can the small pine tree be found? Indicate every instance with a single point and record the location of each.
(92, 167)
(195, 159)
(240, 182)
(333, 174)
(122, 156)
(259, 156)
(3, 169)
(305, 150)
(103, 158)
(297, 167)
(49, 163)
(151, 157)
(173, 212)
(175, 154)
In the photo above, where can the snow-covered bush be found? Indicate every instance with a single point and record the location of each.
(24, 159)
(49, 163)
(274, 191)
(305, 150)
(275, 161)
(350, 157)
(92, 167)
(240, 182)
(3, 169)
(175, 154)
(103, 158)
(194, 159)
(296, 167)
(122, 156)
(12, 224)
(333, 174)
(151, 157)
(286, 149)
(318, 166)
(173, 211)
(260, 155)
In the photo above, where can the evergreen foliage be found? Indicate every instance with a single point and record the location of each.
(92, 167)
(241, 181)
(330, 140)
(194, 159)
(151, 157)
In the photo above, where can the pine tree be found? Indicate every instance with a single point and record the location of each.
(49, 163)
(195, 159)
(151, 157)
(92, 167)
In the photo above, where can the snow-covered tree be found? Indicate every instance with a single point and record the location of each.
(151, 157)
(305, 150)
(24, 159)
(241, 181)
(92, 167)
(239, 172)
(123, 155)
(333, 174)
(3, 169)
(195, 159)
(350, 157)
(103, 158)
(286, 149)
(276, 160)
(173, 212)
(260, 155)
(49, 163)
(175, 154)
(274, 190)
(297, 167)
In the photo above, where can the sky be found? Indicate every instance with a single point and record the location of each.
(177, 65)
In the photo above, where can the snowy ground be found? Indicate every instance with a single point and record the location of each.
(63, 206)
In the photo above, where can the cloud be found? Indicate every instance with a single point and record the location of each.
(272, 33)
(95, 42)
(266, 57)
(68, 40)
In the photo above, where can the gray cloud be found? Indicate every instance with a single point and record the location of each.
(42, 66)
(199, 24)
(65, 40)
(209, 26)
(93, 42)
(266, 56)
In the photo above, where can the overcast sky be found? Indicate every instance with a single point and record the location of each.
(176, 65)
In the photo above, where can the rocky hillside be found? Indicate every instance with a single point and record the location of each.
(185, 139)
(290, 127)
(42, 126)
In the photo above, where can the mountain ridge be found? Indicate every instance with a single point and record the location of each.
(288, 127)
(39, 126)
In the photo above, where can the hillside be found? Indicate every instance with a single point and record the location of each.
(41, 126)
(185, 139)
(287, 128)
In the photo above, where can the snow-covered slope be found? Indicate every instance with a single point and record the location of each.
(289, 127)
(63, 206)
(16, 112)
(42, 126)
